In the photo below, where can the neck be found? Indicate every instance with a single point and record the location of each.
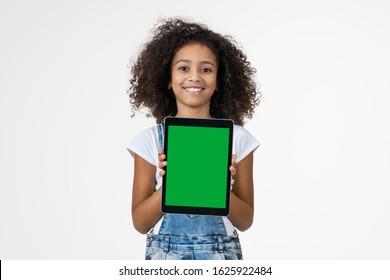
(201, 114)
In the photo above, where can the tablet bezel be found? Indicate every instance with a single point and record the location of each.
(197, 122)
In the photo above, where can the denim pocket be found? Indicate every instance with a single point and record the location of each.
(155, 253)
(232, 250)
(152, 252)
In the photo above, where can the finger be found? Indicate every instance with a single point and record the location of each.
(161, 155)
(234, 160)
(232, 181)
(161, 173)
(162, 164)
(232, 170)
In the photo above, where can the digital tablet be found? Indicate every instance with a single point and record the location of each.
(198, 154)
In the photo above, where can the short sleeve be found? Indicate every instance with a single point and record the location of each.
(145, 145)
(243, 142)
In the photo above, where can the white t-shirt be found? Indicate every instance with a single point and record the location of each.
(146, 144)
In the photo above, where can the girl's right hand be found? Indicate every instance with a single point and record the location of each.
(161, 162)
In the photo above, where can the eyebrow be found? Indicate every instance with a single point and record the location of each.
(189, 61)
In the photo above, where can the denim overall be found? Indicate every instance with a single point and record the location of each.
(191, 237)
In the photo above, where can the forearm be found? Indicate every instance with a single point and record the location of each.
(241, 213)
(147, 213)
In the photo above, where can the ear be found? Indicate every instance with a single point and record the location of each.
(169, 85)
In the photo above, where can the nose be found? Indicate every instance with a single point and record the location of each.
(194, 76)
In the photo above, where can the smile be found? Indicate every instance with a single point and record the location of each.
(193, 90)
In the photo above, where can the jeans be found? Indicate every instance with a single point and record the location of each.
(192, 237)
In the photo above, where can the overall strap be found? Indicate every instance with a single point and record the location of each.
(160, 128)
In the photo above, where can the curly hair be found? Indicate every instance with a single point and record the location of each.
(237, 94)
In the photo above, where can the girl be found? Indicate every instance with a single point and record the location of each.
(187, 70)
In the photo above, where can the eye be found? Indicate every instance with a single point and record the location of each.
(183, 68)
(206, 70)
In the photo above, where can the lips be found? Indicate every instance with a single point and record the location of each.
(193, 90)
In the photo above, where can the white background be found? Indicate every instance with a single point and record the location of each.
(322, 173)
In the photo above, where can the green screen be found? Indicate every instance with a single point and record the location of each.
(197, 166)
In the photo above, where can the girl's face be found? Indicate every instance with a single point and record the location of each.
(194, 78)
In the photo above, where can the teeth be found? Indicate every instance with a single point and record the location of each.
(193, 89)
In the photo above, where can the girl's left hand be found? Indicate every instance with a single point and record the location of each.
(232, 168)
